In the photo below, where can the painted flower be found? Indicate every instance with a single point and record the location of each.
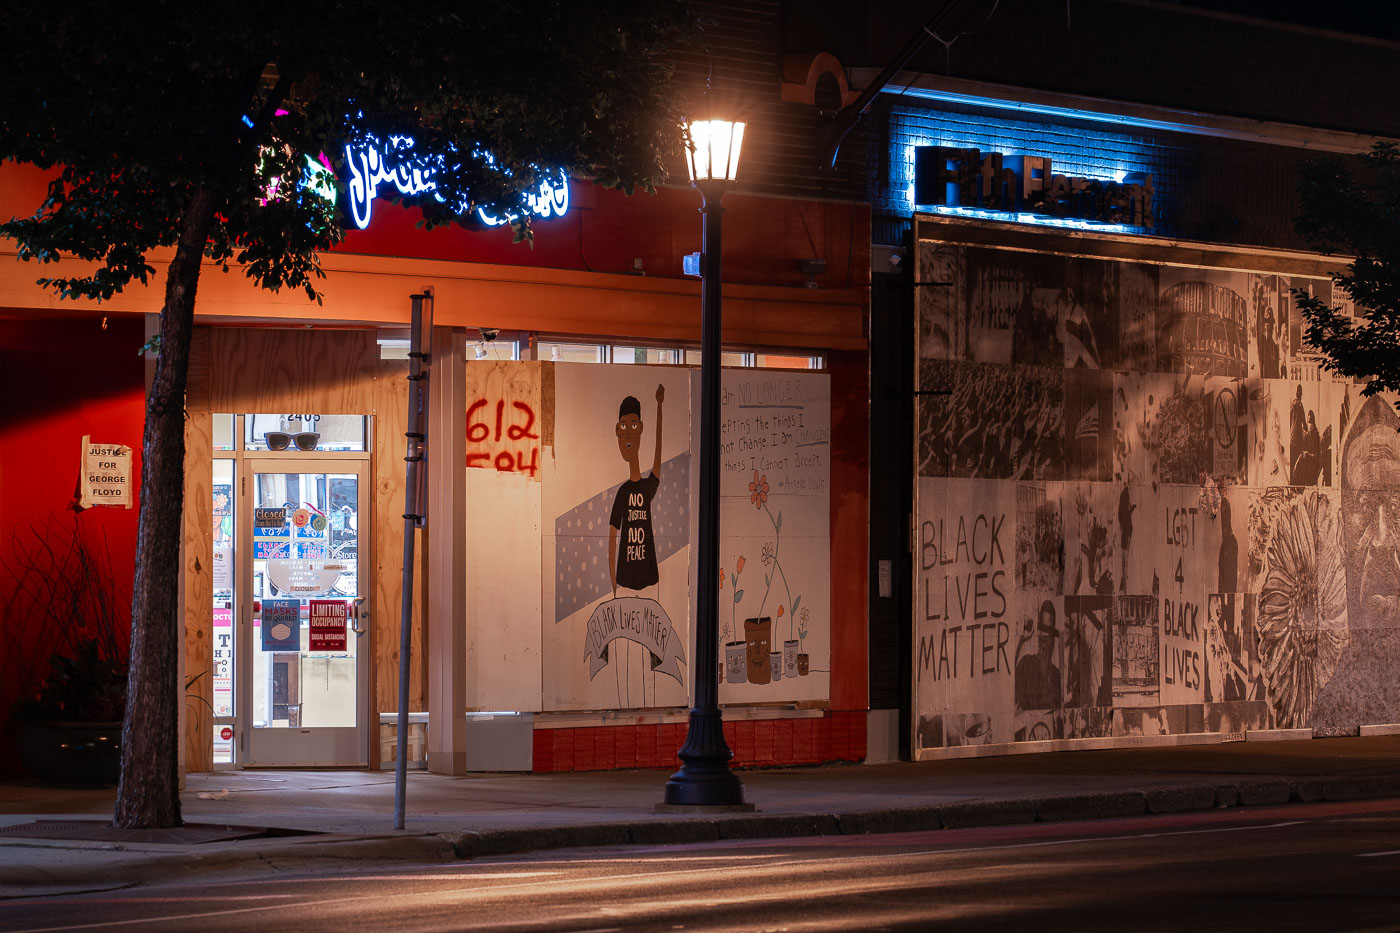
(780, 612)
(767, 554)
(739, 567)
(1303, 625)
(721, 578)
(758, 490)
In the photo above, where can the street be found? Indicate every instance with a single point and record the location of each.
(1301, 867)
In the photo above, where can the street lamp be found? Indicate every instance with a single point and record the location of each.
(704, 780)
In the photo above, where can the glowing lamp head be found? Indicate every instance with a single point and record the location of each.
(712, 149)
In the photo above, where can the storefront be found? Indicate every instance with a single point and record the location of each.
(1142, 510)
(531, 649)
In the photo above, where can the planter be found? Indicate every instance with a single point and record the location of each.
(775, 664)
(757, 637)
(803, 659)
(790, 658)
(734, 662)
(82, 753)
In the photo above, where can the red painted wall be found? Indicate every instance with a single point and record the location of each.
(605, 231)
(850, 530)
(60, 378)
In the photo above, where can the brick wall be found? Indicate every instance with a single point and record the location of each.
(756, 743)
(1207, 189)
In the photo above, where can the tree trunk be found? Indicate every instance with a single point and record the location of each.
(148, 794)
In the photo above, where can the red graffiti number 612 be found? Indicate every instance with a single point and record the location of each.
(509, 444)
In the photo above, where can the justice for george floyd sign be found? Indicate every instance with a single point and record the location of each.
(106, 476)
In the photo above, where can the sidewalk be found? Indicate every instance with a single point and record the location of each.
(348, 815)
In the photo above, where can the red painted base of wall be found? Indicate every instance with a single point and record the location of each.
(837, 736)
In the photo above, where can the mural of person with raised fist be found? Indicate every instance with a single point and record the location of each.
(632, 564)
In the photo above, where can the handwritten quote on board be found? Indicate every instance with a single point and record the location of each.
(768, 425)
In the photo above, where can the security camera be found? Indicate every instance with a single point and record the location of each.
(489, 333)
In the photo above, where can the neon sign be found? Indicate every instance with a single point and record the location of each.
(373, 164)
(966, 181)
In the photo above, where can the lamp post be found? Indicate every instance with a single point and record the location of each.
(704, 779)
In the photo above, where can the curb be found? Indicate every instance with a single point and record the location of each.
(974, 813)
(110, 867)
(132, 866)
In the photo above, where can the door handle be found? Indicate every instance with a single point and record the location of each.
(361, 615)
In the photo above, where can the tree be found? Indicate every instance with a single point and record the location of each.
(199, 135)
(1354, 210)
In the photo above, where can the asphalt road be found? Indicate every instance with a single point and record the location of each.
(1300, 867)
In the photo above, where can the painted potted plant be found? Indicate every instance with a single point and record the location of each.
(789, 647)
(782, 663)
(734, 667)
(803, 659)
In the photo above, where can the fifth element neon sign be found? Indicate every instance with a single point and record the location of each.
(373, 164)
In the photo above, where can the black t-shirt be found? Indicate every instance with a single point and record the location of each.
(636, 546)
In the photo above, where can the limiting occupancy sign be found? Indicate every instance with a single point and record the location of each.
(328, 621)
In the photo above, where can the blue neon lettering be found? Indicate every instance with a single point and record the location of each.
(372, 164)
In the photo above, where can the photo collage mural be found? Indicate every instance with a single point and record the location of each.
(1144, 508)
(580, 490)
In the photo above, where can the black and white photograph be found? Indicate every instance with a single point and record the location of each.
(1038, 683)
(1090, 722)
(1232, 671)
(1134, 406)
(998, 292)
(1234, 719)
(1136, 652)
(1092, 539)
(1202, 323)
(1369, 553)
(995, 422)
(1039, 726)
(1040, 538)
(1231, 523)
(1138, 287)
(942, 307)
(1179, 441)
(1089, 424)
(1270, 303)
(1086, 651)
(1228, 417)
(1302, 618)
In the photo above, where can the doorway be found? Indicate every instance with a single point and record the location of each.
(293, 515)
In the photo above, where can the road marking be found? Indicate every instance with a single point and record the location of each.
(650, 877)
(1377, 854)
(1180, 832)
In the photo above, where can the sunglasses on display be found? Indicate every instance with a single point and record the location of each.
(281, 440)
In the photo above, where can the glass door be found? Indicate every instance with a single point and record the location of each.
(305, 674)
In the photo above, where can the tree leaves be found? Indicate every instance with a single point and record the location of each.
(1353, 207)
(137, 113)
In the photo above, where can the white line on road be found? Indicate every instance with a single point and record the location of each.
(1377, 854)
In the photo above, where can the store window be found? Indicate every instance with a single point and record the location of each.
(303, 432)
(625, 354)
